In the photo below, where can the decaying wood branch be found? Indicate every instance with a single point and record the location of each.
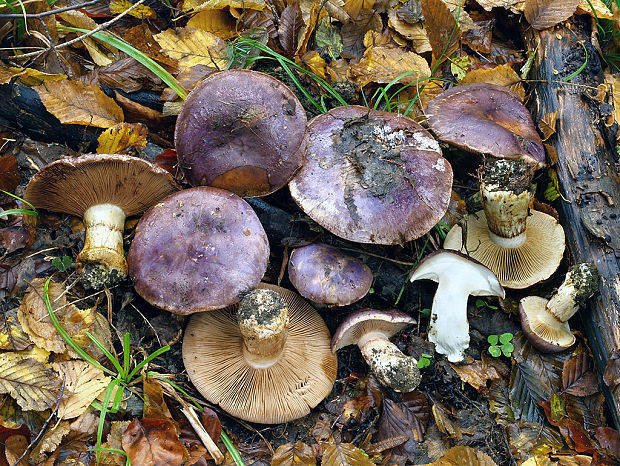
(587, 170)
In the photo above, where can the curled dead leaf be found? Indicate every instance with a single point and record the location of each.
(117, 139)
(194, 47)
(464, 456)
(543, 14)
(153, 442)
(383, 64)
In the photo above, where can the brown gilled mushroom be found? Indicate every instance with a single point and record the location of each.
(545, 322)
(241, 130)
(371, 330)
(521, 246)
(486, 119)
(102, 189)
(372, 177)
(325, 275)
(198, 250)
(267, 360)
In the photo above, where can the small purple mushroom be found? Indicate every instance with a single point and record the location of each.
(198, 250)
(325, 275)
(243, 131)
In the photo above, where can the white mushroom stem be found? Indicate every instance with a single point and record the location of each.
(103, 243)
(580, 283)
(506, 214)
(263, 321)
(388, 363)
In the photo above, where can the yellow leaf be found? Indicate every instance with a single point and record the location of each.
(218, 22)
(543, 14)
(116, 139)
(547, 124)
(384, 64)
(354, 7)
(464, 456)
(345, 454)
(199, 5)
(194, 47)
(337, 70)
(414, 32)
(83, 383)
(32, 77)
(79, 104)
(96, 50)
(490, 4)
(38, 354)
(315, 63)
(12, 335)
(50, 441)
(140, 12)
(598, 7)
(30, 383)
(502, 75)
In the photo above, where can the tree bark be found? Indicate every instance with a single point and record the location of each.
(587, 170)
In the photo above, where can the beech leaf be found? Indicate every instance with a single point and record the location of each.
(83, 383)
(194, 47)
(502, 75)
(543, 14)
(384, 64)
(441, 28)
(116, 139)
(289, 26)
(464, 456)
(12, 335)
(218, 22)
(298, 454)
(345, 454)
(578, 377)
(153, 442)
(9, 176)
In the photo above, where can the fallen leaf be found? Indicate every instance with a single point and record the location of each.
(290, 24)
(442, 29)
(328, 39)
(9, 176)
(79, 104)
(14, 448)
(337, 70)
(481, 374)
(353, 34)
(479, 39)
(543, 14)
(98, 51)
(547, 124)
(384, 64)
(336, 10)
(595, 8)
(194, 47)
(464, 456)
(51, 440)
(126, 74)
(578, 376)
(315, 63)
(488, 5)
(611, 376)
(153, 442)
(218, 22)
(114, 441)
(117, 139)
(199, 5)
(16, 237)
(298, 454)
(154, 405)
(345, 454)
(574, 434)
(608, 438)
(83, 383)
(526, 439)
(140, 12)
(587, 410)
(7, 433)
(33, 385)
(416, 32)
(142, 39)
(355, 7)
(502, 75)
(189, 439)
(12, 335)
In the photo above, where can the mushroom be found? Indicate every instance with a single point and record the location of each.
(370, 330)
(103, 189)
(458, 277)
(198, 250)
(372, 177)
(325, 275)
(486, 119)
(521, 246)
(241, 130)
(267, 360)
(545, 322)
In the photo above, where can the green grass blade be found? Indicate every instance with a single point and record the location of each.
(5, 213)
(137, 55)
(107, 354)
(578, 71)
(148, 359)
(19, 199)
(113, 450)
(126, 352)
(104, 409)
(231, 449)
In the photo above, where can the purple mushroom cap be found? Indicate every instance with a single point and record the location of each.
(372, 177)
(486, 119)
(325, 275)
(242, 131)
(198, 250)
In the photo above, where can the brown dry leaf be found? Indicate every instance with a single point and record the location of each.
(441, 28)
(140, 12)
(79, 104)
(194, 47)
(614, 84)
(546, 124)
(601, 11)
(384, 64)
(218, 22)
(79, 19)
(115, 442)
(153, 442)
(126, 74)
(14, 447)
(355, 7)
(543, 14)
(199, 5)
(335, 9)
(116, 139)
(480, 374)
(35, 321)
(488, 5)
(413, 32)
(82, 430)
(141, 38)
(353, 34)
(291, 22)
(154, 405)
(445, 424)
(12, 335)
(9, 176)
(50, 441)
(315, 63)
(464, 456)
(345, 454)
(83, 383)
(337, 70)
(611, 376)
(298, 454)
(502, 75)
(310, 19)
(33, 385)
(578, 375)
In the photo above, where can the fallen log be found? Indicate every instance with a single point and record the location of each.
(587, 170)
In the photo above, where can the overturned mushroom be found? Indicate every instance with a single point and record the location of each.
(267, 360)
(241, 130)
(458, 277)
(372, 177)
(103, 189)
(370, 330)
(486, 119)
(545, 322)
(325, 275)
(521, 246)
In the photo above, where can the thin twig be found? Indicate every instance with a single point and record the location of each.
(99, 28)
(43, 14)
